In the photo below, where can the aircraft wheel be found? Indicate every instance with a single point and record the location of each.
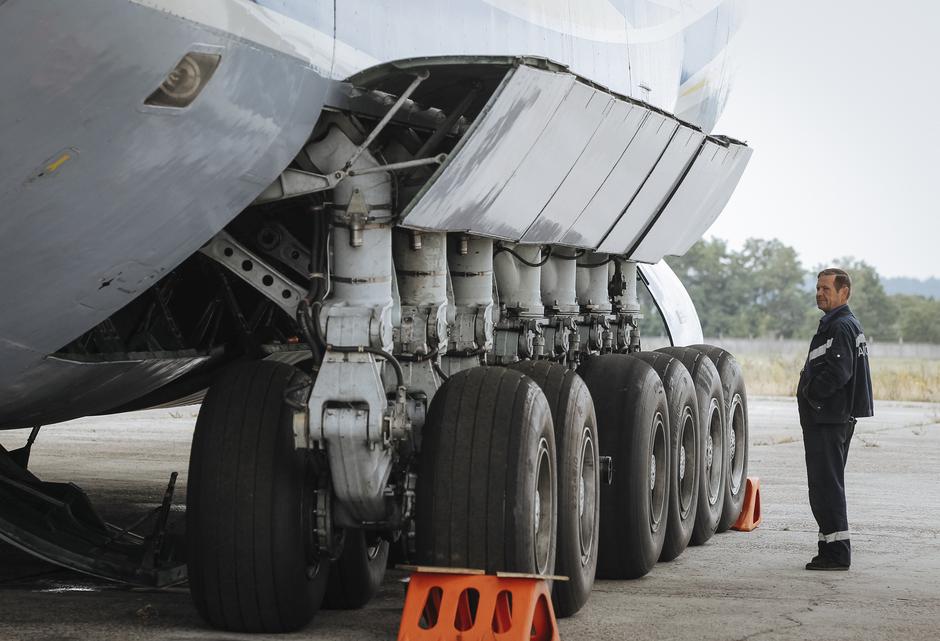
(735, 411)
(487, 487)
(250, 501)
(578, 481)
(713, 451)
(686, 443)
(357, 574)
(633, 427)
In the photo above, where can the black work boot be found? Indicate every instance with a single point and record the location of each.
(823, 563)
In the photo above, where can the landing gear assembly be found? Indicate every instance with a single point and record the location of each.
(473, 403)
(379, 389)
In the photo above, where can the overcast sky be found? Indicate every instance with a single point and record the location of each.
(839, 100)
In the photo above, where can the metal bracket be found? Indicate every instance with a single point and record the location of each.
(278, 243)
(238, 259)
(294, 182)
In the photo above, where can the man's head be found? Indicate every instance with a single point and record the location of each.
(833, 288)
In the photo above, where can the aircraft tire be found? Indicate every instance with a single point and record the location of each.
(712, 468)
(356, 576)
(686, 442)
(578, 481)
(633, 428)
(487, 487)
(249, 569)
(735, 411)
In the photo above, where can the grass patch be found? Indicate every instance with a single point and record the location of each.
(893, 379)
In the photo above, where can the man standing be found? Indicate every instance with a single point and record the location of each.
(834, 390)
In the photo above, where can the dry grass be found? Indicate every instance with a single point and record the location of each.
(893, 379)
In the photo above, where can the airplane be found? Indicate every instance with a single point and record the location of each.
(394, 249)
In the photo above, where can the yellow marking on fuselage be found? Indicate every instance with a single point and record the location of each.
(698, 85)
(58, 162)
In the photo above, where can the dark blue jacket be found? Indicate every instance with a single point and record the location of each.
(835, 384)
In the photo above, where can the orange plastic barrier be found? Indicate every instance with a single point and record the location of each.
(443, 606)
(750, 513)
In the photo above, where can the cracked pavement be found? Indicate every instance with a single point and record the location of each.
(736, 587)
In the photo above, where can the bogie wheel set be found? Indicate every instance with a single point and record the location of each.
(514, 475)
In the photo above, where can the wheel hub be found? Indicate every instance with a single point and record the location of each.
(733, 441)
(581, 496)
(542, 514)
(709, 451)
(682, 462)
(538, 509)
(652, 472)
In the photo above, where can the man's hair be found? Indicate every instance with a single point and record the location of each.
(842, 278)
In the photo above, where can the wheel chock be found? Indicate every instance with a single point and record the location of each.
(750, 516)
(448, 604)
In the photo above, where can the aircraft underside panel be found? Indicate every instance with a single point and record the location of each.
(555, 160)
(75, 388)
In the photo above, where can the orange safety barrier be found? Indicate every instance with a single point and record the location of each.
(447, 604)
(750, 516)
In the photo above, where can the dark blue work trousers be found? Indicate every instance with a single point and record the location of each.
(827, 450)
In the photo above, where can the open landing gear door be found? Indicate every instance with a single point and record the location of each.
(553, 159)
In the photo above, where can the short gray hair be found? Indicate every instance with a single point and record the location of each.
(842, 277)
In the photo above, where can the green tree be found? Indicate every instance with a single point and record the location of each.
(918, 318)
(710, 273)
(774, 281)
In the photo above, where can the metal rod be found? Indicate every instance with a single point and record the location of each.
(421, 77)
(396, 166)
(431, 143)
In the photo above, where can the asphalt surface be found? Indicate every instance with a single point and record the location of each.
(737, 586)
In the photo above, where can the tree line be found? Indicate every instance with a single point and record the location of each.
(764, 291)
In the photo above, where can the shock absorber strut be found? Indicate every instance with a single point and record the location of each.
(594, 299)
(626, 307)
(470, 261)
(349, 412)
(519, 332)
(559, 297)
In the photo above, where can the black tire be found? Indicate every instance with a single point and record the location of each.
(250, 498)
(487, 460)
(685, 451)
(713, 478)
(732, 386)
(578, 481)
(633, 428)
(356, 576)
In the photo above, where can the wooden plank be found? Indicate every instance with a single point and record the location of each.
(523, 575)
(435, 570)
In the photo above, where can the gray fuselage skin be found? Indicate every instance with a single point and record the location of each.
(101, 195)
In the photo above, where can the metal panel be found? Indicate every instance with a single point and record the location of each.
(70, 388)
(621, 184)
(696, 203)
(100, 195)
(655, 191)
(470, 181)
(736, 161)
(604, 150)
(674, 303)
(552, 158)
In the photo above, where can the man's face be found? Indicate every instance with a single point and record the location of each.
(827, 298)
